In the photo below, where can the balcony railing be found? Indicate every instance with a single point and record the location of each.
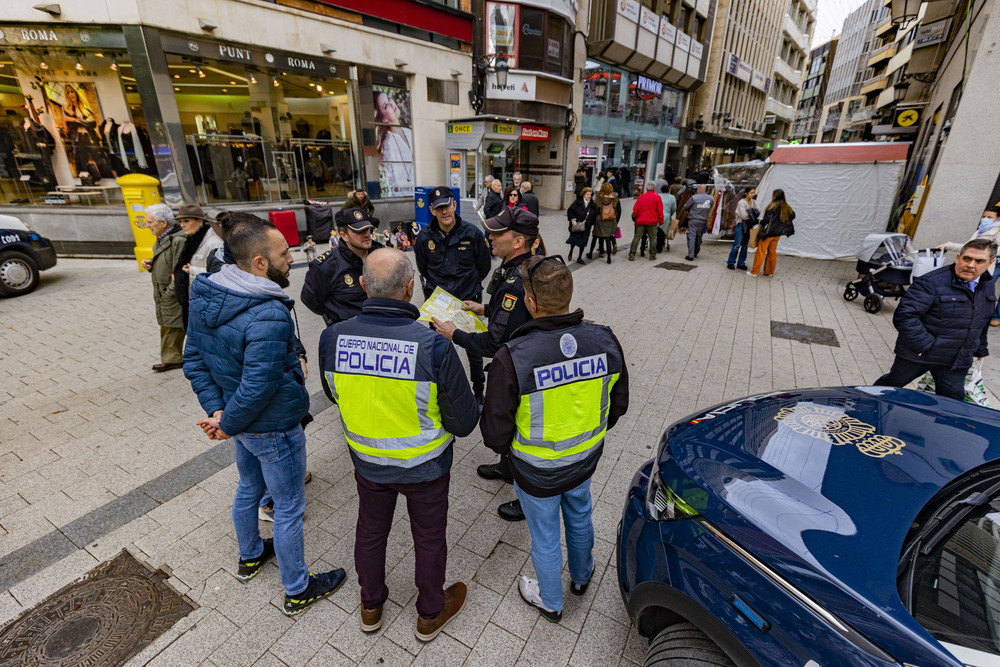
(886, 52)
(785, 71)
(864, 113)
(783, 111)
(792, 29)
(872, 85)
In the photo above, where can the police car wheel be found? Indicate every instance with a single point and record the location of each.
(18, 273)
(684, 645)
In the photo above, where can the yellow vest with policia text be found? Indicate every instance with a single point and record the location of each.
(565, 379)
(382, 377)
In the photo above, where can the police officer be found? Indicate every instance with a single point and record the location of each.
(453, 254)
(512, 233)
(333, 282)
(403, 398)
(555, 389)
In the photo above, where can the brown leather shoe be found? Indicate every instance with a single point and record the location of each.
(159, 368)
(454, 600)
(371, 619)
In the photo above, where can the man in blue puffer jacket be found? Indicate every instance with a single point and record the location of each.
(241, 361)
(942, 322)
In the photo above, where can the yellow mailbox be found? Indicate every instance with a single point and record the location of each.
(140, 191)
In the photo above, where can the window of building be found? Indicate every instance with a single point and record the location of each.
(699, 28)
(532, 39)
(684, 23)
(443, 92)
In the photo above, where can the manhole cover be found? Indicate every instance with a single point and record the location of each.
(675, 266)
(105, 618)
(804, 333)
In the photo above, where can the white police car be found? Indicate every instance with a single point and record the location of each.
(23, 253)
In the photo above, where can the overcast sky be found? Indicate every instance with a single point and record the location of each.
(830, 15)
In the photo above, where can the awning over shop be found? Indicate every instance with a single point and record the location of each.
(841, 153)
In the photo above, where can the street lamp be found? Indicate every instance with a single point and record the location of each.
(501, 68)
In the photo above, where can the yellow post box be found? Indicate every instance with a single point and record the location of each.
(140, 191)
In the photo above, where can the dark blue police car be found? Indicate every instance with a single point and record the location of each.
(23, 253)
(818, 528)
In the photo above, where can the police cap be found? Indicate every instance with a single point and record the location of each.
(439, 196)
(355, 219)
(519, 220)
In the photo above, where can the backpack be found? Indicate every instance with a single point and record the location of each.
(608, 211)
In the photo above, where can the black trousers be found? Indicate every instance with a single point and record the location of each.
(947, 381)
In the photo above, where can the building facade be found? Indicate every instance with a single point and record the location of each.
(810, 106)
(949, 94)
(248, 105)
(734, 114)
(643, 59)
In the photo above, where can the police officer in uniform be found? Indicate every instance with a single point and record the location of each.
(333, 282)
(512, 233)
(453, 254)
(555, 389)
(403, 397)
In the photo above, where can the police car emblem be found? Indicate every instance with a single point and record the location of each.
(567, 344)
(509, 301)
(837, 428)
(348, 280)
(431, 246)
(358, 215)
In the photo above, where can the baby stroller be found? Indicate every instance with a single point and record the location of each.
(883, 270)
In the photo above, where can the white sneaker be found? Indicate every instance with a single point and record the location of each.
(528, 588)
(265, 514)
(751, 274)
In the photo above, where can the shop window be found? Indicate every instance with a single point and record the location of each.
(66, 129)
(261, 136)
(531, 36)
(443, 92)
(596, 85)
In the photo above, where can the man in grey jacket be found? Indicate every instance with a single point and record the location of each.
(698, 208)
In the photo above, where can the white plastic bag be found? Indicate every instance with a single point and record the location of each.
(975, 389)
(926, 261)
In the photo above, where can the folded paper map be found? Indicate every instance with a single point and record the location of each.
(444, 306)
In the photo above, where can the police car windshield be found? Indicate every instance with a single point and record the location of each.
(956, 582)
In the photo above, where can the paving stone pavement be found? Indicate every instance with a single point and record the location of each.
(84, 422)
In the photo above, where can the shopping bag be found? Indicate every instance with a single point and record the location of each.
(753, 237)
(618, 233)
(975, 389)
(926, 382)
(926, 261)
(672, 229)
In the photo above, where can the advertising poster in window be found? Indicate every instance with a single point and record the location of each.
(76, 111)
(393, 140)
(501, 33)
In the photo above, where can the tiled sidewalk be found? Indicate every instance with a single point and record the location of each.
(83, 421)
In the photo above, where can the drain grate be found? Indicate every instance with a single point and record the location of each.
(675, 266)
(113, 612)
(804, 333)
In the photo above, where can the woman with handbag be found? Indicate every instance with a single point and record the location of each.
(777, 222)
(609, 212)
(746, 218)
(581, 215)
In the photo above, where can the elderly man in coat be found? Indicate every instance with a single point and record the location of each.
(169, 244)
(943, 320)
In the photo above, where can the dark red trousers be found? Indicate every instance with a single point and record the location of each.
(427, 505)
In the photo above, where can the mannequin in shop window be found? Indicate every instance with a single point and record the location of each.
(394, 145)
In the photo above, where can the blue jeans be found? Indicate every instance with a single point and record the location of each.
(739, 246)
(274, 462)
(542, 515)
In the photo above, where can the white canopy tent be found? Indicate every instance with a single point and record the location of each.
(840, 193)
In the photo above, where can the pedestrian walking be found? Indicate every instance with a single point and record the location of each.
(746, 219)
(698, 209)
(529, 198)
(647, 213)
(609, 212)
(989, 228)
(579, 180)
(199, 242)
(775, 223)
(513, 235)
(942, 321)
(373, 366)
(454, 255)
(332, 287)
(666, 231)
(169, 244)
(582, 215)
(494, 200)
(554, 390)
(241, 362)
(481, 199)
(516, 180)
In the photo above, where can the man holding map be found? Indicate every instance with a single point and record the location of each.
(454, 255)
